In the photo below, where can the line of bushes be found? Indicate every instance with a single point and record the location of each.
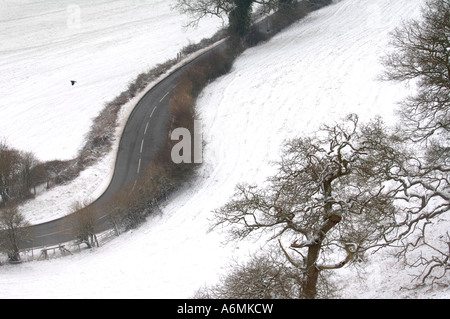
(100, 138)
(162, 176)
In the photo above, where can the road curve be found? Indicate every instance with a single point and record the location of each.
(143, 136)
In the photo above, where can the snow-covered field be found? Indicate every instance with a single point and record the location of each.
(102, 45)
(318, 70)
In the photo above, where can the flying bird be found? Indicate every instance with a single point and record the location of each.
(73, 82)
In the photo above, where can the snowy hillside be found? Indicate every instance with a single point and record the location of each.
(101, 45)
(318, 70)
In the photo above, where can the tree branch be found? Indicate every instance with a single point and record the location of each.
(351, 250)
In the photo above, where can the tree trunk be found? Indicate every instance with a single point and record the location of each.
(309, 290)
(14, 252)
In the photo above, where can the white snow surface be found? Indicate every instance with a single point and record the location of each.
(317, 71)
(103, 45)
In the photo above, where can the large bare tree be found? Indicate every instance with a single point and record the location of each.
(328, 202)
(421, 56)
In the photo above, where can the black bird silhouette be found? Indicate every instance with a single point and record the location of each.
(73, 82)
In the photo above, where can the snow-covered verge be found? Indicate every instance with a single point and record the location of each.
(318, 70)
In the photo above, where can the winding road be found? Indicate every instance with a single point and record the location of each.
(144, 134)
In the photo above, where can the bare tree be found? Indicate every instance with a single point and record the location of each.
(328, 200)
(421, 53)
(238, 12)
(30, 172)
(421, 56)
(13, 231)
(19, 173)
(83, 224)
(262, 277)
(9, 167)
(198, 10)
